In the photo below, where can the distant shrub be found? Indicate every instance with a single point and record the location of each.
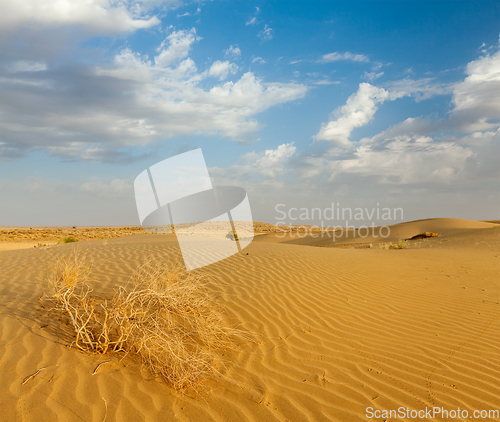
(400, 245)
(68, 239)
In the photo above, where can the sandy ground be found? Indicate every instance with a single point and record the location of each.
(336, 330)
(30, 237)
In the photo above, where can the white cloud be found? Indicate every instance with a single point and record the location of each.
(476, 99)
(372, 75)
(415, 151)
(266, 34)
(295, 61)
(412, 127)
(404, 160)
(358, 111)
(271, 162)
(251, 95)
(178, 45)
(27, 66)
(100, 16)
(264, 168)
(258, 60)
(222, 69)
(326, 82)
(333, 57)
(422, 89)
(479, 138)
(251, 21)
(183, 108)
(184, 14)
(133, 101)
(232, 52)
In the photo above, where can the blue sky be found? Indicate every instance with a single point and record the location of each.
(301, 103)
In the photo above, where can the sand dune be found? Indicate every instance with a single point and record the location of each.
(311, 237)
(335, 331)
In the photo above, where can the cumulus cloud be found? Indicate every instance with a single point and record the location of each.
(362, 105)
(358, 111)
(476, 99)
(333, 57)
(95, 113)
(175, 47)
(251, 21)
(405, 153)
(99, 16)
(403, 160)
(418, 153)
(222, 69)
(271, 162)
(232, 52)
(264, 168)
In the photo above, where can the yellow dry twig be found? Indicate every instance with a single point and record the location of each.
(105, 404)
(33, 375)
(98, 366)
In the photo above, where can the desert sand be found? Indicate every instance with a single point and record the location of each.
(334, 330)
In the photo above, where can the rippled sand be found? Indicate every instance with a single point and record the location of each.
(335, 330)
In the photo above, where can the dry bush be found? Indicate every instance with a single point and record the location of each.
(402, 244)
(165, 317)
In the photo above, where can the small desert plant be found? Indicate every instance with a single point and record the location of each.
(165, 317)
(40, 245)
(400, 245)
(68, 239)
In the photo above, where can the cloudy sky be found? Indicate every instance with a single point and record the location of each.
(302, 103)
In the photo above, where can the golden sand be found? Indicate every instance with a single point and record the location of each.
(335, 331)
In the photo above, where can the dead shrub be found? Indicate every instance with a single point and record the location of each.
(163, 314)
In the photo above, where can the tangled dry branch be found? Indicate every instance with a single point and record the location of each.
(165, 317)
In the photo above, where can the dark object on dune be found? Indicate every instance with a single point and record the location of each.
(423, 236)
